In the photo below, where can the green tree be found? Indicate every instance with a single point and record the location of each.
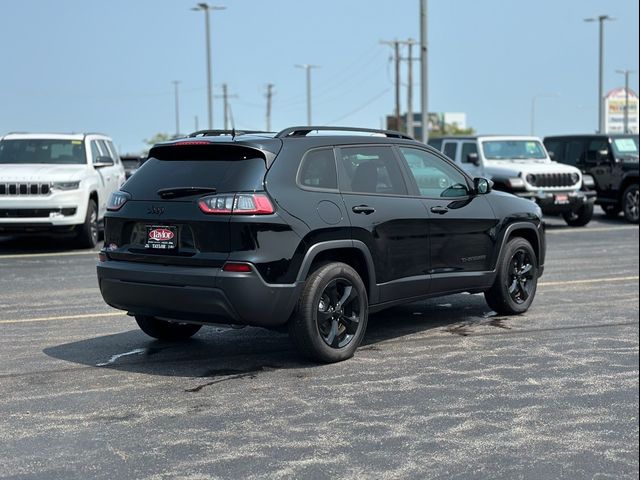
(157, 138)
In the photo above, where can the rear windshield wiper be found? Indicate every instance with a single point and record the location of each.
(177, 192)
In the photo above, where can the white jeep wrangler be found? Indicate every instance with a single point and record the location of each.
(57, 184)
(521, 165)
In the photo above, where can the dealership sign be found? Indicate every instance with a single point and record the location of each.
(614, 105)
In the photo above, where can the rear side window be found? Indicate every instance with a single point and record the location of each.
(450, 150)
(555, 147)
(318, 170)
(227, 169)
(574, 153)
(467, 148)
(436, 143)
(371, 170)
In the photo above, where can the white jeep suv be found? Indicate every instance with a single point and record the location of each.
(57, 183)
(520, 165)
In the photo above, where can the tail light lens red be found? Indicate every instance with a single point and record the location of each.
(117, 201)
(236, 204)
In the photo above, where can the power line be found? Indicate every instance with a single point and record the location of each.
(361, 107)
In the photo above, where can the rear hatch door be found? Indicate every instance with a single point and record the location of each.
(161, 221)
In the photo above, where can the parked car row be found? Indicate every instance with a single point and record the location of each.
(306, 231)
(57, 184)
(566, 175)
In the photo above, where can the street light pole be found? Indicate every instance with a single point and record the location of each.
(601, 19)
(206, 8)
(308, 68)
(177, 103)
(626, 97)
(533, 108)
(424, 104)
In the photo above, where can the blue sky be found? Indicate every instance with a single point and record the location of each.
(88, 65)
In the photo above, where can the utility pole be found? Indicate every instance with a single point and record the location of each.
(177, 106)
(269, 98)
(626, 74)
(410, 43)
(601, 19)
(396, 53)
(206, 8)
(225, 102)
(196, 123)
(424, 95)
(308, 68)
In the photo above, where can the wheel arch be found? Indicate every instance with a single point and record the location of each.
(626, 182)
(527, 231)
(352, 252)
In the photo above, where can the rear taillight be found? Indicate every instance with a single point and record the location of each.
(237, 204)
(117, 201)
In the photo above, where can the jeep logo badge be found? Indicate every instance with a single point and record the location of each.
(155, 210)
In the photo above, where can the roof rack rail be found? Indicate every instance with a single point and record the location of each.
(304, 131)
(219, 133)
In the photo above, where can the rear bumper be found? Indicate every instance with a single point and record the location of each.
(196, 294)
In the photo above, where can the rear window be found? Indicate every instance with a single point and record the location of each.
(227, 169)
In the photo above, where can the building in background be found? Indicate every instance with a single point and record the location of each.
(440, 123)
(614, 106)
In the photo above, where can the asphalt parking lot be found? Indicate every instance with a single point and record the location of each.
(440, 389)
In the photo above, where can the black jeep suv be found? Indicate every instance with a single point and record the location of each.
(311, 231)
(612, 161)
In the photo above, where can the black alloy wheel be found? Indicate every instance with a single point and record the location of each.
(517, 279)
(88, 232)
(332, 312)
(630, 203)
(338, 315)
(579, 217)
(521, 275)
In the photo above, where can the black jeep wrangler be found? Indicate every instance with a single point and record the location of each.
(310, 231)
(612, 161)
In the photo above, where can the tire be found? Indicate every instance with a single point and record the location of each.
(162, 330)
(630, 203)
(88, 232)
(325, 327)
(580, 217)
(611, 211)
(515, 285)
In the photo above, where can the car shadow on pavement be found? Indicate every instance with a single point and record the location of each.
(222, 352)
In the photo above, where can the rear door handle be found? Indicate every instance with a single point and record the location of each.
(366, 209)
(439, 210)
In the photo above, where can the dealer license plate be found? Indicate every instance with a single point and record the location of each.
(561, 199)
(162, 237)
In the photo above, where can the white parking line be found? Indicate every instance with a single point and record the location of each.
(589, 230)
(118, 314)
(38, 255)
(591, 280)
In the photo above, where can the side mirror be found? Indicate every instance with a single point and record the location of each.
(603, 156)
(482, 186)
(100, 162)
(473, 158)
